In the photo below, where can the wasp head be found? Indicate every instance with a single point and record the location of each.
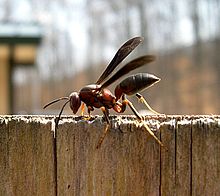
(75, 102)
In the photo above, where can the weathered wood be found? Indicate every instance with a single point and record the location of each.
(183, 157)
(168, 164)
(33, 161)
(206, 156)
(124, 165)
(27, 157)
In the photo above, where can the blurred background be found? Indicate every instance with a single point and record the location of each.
(49, 48)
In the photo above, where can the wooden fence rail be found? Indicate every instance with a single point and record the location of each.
(34, 160)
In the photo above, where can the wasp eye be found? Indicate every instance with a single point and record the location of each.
(75, 102)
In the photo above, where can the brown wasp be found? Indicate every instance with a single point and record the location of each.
(98, 96)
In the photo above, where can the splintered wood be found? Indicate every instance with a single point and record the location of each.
(36, 160)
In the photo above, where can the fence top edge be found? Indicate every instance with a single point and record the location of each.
(123, 118)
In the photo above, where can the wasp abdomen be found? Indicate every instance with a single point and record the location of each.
(135, 83)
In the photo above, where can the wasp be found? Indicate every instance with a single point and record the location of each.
(98, 96)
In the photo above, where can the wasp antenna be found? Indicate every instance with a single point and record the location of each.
(61, 111)
(54, 101)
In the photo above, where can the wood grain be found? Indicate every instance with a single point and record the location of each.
(206, 157)
(27, 166)
(126, 163)
(183, 158)
(34, 160)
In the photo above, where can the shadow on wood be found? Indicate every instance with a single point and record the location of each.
(36, 161)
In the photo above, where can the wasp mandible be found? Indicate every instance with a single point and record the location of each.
(98, 96)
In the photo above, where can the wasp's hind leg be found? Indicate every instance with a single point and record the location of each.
(143, 100)
(141, 119)
(127, 102)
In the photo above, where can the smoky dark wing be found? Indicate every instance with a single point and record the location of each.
(121, 54)
(134, 64)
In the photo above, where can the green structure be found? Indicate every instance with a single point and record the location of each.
(18, 46)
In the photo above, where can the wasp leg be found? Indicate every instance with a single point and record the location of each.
(143, 100)
(101, 139)
(125, 101)
(90, 108)
(147, 128)
(82, 109)
(152, 134)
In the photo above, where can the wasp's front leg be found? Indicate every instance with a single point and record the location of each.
(82, 109)
(89, 108)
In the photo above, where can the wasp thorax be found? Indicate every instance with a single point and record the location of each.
(75, 102)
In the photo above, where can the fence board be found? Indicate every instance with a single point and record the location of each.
(124, 165)
(205, 157)
(129, 162)
(3, 157)
(183, 158)
(28, 164)
(168, 158)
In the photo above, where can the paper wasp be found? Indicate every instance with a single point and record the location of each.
(98, 96)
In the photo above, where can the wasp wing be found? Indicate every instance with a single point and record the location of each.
(134, 64)
(121, 54)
